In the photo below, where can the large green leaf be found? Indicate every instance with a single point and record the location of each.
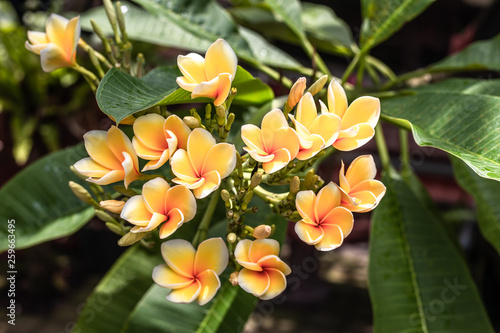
(382, 18)
(40, 201)
(481, 55)
(486, 194)
(120, 95)
(118, 293)
(418, 280)
(192, 25)
(461, 118)
(288, 11)
(325, 29)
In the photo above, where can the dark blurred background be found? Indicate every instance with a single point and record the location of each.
(42, 112)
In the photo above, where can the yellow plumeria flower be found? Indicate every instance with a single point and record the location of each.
(358, 120)
(112, 158)
(191, 274)
(324, 222)
(275, 144)
(263, 273)
(315, 132)
(360, 192)
(210, 76)
(156, 138)
(160, 203)
(203, 165)
(56, 47)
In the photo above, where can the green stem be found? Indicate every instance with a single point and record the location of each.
(201, 234)
(381, 67)
(405, 152)
(382, 147)
(351, 66)
(86, 73)
(268, 196)
(401, 123)
(404, 77)
(328, 151)
(270, 72)
(313, 54)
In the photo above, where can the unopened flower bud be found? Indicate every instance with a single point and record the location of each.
(115, 228)
(256, 179)
(103, 216)
(309, 179)
(296, 92)
(230, 120)
(81, 192)
(128, 192)
(113, 206)
(233, 278)
(221, 114)
(224, 194)
(231, 237)
(246, 199)
(318, 85)
(131, 238)
(295, 185)
(262, 231)
(192, 122)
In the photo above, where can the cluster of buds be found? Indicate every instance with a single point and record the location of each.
(282, 151)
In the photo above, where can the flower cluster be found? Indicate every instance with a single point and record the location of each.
(150, 206)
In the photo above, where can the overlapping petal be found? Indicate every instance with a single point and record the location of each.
(191, 274)
(56, 47)
(112, 158)
(360, 192)
(210, 76)
(325, 223)
(204, 164)
(357, 121)
(264, 272)
(275, 144)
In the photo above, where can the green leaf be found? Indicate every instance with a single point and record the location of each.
(382, 18)
(481, 55)
(119, 95)
(461, 121)
(418, 280)
(118, 292)
(40, 201)
(486, 194)
(288, 11)
(191, 25)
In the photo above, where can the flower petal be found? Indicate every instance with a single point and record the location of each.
(154, 192)
(306, 111)
(332, 238)
(56, 28)
(90, 168)
(305, 140)
(212, 254)
(180, 197)
(36, 37)
(210, 283)
(304, 202)
(374, 186)
(165, 277)
(221, 158)
(223, 88)
(71, 38)
(308, 233)
(342, 217)
(317, 145)
(98, 150)
(136, 211)
(149, 130)
(337, 99)
(181, 131)
(281, 158)
(199, 143)
(251, 136)
(190, 184)
(211, 183)
(365, 109)
(263, 247)
(364, 202)
(277, 284)
(179, 255)
(362, 168)
(220, 58)
(286, 138)
(35, 48)
(241, 255)
(274, 262)
(327, 126)
(192, 66)
(174, 219)
(259, 158)
(155, 164)
(186, 294)
(119, 143)
(155, 221)
(52, 57)
(327, 199)
(274, 120)
(129, 165)
(364, 134)
(145, 152)
(182, 168)
(253, 282)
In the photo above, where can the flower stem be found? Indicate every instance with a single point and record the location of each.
(382, 147)
(201, 234)
(314, 55)
(405, 152)
(87, 74)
